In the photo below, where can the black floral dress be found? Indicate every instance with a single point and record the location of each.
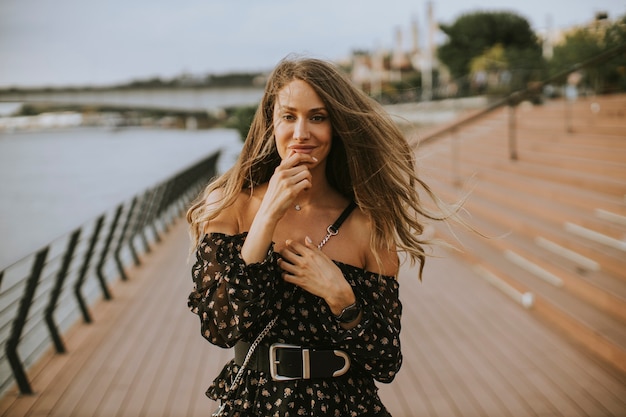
(235, 301)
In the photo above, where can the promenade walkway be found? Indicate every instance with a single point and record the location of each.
(468, 352)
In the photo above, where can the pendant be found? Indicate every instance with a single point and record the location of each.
(297, 207)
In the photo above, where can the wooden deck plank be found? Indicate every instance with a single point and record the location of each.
(171, 376)
(564, 391)
(422, 375)
(486, 349)
(541, 369)
(450, 381)
(470, 364)
(148, 352)
(438, 322)
(406, 395)
(157, 400)
(93, 381)
(115, 366)
(468, 351)
(205, 373)
(110, 356)
(595, 382)
(135, 357)
(561, 365)
(399, 397)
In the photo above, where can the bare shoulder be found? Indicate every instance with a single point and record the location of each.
(362, 228)
(228, 219)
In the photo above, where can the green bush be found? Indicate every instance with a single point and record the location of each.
(241, 119)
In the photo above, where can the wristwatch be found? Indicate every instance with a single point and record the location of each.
(350, 313)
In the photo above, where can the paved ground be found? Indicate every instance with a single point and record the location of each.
(469, 351)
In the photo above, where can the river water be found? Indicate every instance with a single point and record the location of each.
(54, 181)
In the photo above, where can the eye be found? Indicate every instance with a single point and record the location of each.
(319, 118)
(288, 116)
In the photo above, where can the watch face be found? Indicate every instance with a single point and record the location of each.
(349, 314)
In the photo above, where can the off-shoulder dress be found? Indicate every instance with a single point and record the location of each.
(235, 301)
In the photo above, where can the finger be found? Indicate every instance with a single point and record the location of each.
(290, 253)
(292, 279)
(290, 273)
(292, 160)
(289, 259)
(296, 159)
(287, 267)
(293, 175)
(296, 247)
(300, 175)
(306, 159)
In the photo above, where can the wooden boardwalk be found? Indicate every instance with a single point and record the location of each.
(469, 351)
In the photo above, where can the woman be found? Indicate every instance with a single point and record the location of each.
(319, 152)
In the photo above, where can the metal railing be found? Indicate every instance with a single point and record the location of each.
(45, 293)
(515, 98)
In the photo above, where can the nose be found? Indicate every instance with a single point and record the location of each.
(301, 130)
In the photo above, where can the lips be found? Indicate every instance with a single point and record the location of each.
(302, 149)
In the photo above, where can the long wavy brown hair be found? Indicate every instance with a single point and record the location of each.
(370, 161)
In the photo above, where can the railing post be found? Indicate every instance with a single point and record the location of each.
(456, 158)
(20, 321)
(150, 214)
(571, 94)
(105, 252)
(56, 292)
(157, 203)
(512, 131)
(168, 202)
(120, 242)
(163, 206)
(140, 223)
(83, 271)
(569, 106)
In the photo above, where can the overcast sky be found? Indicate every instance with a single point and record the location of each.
(87, 42)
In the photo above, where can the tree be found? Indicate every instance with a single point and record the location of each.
(473, 34)
(584, 43)
(241, 119)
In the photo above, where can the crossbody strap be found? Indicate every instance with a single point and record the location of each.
(333, 229)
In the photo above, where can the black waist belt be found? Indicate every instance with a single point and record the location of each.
(286, 362)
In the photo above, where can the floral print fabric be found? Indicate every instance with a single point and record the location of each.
(235, 301)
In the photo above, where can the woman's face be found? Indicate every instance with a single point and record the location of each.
(301, 122)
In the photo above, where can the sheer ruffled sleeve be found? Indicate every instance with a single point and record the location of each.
(230, 297)
(374, 343)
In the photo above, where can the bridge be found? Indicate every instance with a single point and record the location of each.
(178, 99)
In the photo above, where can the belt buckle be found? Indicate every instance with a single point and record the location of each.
(306, 364)
(346, 364)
